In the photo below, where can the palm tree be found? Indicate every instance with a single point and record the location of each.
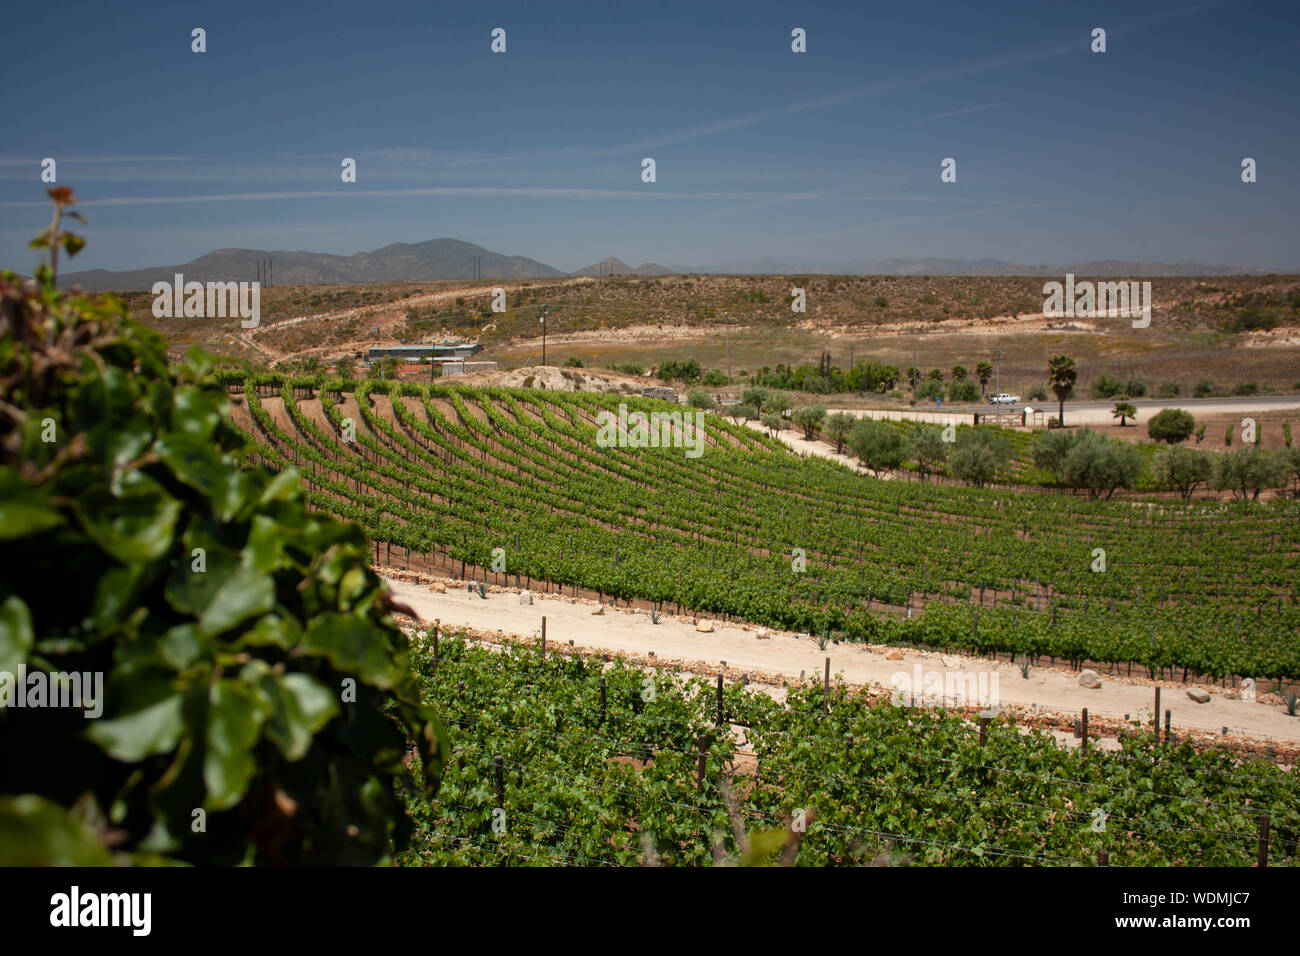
(1124, 411)
(984, 372)
(959, 373)
(1061, 376)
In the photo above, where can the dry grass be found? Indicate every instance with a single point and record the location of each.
(744, 323)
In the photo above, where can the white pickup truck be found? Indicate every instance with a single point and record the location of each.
(1002, 398)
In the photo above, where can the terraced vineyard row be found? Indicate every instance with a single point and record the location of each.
(613, 765)
(1206, 588)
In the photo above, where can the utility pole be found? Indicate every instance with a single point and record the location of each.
(997, 365)
(543, 321)
(726, 321)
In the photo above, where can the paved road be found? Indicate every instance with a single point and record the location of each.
(1205, 405)
(1091, 412)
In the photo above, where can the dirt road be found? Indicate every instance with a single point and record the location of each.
(386, 311)
(789, 655)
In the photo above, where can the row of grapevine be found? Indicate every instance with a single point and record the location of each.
(1205, 588)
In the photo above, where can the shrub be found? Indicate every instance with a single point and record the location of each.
(573, 362)
(699, 398)
(1050, 450)
(1248, 471)
(1100, 466)
(1135, 387)
(1170, 425)
(1106, 386)
(1036, 394)
(979, 454)
(1181, 469)
(779, 402)
(879, 446)
(251, 670)
(964, 390)
(929, 389)
(714, 378)
(756, 396)
(837, 428)
(1168, 390)
(925, 446)
(810, 419)
(1245, 388)
(687, 372)
(1204, 388)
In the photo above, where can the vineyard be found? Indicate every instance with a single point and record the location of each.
(560, 760)
(750, 531)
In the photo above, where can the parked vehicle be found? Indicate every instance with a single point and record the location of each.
(1002, 398)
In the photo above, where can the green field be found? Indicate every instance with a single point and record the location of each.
(621, 784)
(448, 473)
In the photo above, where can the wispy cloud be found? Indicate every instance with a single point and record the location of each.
(849, 96)
(961, 71)
(488, 192)
(36, 160)
(970, 109)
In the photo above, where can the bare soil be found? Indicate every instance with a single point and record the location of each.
(738, 647)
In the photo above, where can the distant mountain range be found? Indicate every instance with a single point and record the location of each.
(972, 267)
(435, 259)
(454, 259)
(617, 267)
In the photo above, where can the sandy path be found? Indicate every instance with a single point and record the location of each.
(621, 630)
(817, 447)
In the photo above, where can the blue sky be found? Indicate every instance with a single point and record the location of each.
(1062, 154)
